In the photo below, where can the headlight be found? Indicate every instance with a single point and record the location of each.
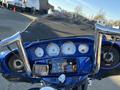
(39, 52)
(68, 48)
(83, 48)
(53, 49)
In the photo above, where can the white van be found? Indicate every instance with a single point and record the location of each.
(33, 4)
(11, 3)
(41, 6)
(23, 4)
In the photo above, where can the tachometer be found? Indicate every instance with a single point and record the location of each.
(53, 49)
(39, 52)
(83, 48)
(68, 48)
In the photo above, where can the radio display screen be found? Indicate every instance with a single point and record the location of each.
(62, 66)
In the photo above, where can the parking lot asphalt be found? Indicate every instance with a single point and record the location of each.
(11, 23)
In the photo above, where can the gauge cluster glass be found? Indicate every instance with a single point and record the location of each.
(68, 48)
(83, 48)
(39, 52)
(53, 49)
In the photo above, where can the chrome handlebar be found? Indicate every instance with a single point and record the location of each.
(16, 38)
(100, 31)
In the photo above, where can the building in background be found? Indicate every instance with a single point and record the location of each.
(42, 5)
(45, 6)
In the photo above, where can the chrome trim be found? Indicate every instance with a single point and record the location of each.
(107, 30)
(97, 50)
(18, 66)
(100, 31)
(16, 38)
(40, 69)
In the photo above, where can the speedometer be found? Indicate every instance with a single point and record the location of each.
(39, 52)
(83, 48)
(68, 48)
(53, 49)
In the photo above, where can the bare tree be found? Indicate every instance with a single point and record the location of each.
(110, 22)
(60, 9)
(116, 23)
(100, 15)
(78, 10)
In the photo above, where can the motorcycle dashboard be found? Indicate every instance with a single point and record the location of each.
(63, 55)
(72, 56)
(62, 47)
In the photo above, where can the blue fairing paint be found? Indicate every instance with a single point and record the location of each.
(85, 62)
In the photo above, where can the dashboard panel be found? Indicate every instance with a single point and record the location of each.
(61, 56)
(71, 56)
(67, 47)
